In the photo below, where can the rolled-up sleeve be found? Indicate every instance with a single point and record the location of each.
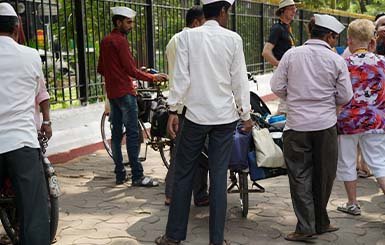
(278, 82)
(181, 74)
(239, 82)
(344, 90)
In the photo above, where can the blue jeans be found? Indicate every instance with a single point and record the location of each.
(191, 142)
(124, 111)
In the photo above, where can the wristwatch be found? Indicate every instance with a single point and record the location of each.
(48, 123)
(172, 112)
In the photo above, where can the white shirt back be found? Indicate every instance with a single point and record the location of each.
(20, 71)
(210, 76)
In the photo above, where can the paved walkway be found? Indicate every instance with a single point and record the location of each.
(95, 211)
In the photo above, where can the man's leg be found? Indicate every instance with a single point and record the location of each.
(299, 162)
(27, 175)
(129, 109)
(200, 181)
(191, 141)
(116, 139)
(219, 151)
(346, 166)
(171, 169)
(373, 148)
(325, 156)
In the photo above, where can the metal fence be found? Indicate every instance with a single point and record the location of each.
(67, 34)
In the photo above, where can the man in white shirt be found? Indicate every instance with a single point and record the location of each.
(194, 18)
(20, 72)
(314, 80)
(212, 83)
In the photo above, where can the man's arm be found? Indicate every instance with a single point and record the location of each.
(267, 53)
(129, 65)
(278, 82)
(45, 129)
(239, 82)
(344, 88)
(42, 99)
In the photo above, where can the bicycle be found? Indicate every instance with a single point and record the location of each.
(152, 98)
(8, 211)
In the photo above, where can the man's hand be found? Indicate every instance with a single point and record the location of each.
(172, 125)
(247, 125)
(46, 130)
(160, 77)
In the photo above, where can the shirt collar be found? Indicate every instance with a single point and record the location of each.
(186, 28)
(211, 23)
(318, 42)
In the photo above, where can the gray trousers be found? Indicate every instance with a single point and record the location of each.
(311, 159)
(27, 175)
(192, 140)
(200, 176)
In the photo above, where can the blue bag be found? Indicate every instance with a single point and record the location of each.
(258, 173)
(241, 144)
(255, 172)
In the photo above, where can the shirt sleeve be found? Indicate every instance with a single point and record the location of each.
(181, 74)
(239, 82)
(275, 34)
(128, 62)
(42, 94)
(278, 82)
(171, 53)
(344, 90)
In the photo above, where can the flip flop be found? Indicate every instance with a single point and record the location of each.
(299, 237)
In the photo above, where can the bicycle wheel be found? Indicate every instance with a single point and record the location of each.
(166, 149)
(9, 219)
(244, 192)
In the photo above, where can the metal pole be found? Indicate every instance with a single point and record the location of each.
(81, 54)
(261, 36)
(150, 34)
(234, 10)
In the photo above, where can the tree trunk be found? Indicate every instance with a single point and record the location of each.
(362, 6)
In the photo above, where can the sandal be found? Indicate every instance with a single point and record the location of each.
(163, 240)
(203, 202)
(145, 181)
(299, 237)
(363, 174)
(330, 228)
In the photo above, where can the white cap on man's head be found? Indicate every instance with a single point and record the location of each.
(285, 3)
(123, 11)
(205, 2)
(6, 9)
(329, 22)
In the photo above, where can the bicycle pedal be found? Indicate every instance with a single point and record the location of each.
(127, 164)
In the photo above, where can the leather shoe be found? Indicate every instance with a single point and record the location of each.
(330, 228)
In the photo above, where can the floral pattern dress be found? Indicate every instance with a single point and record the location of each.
(365, 113)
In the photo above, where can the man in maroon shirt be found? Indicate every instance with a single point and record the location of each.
(118, 67)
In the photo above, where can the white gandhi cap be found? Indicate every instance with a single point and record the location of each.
(123, 11)
(329, 22)
(7, 10)
(214, 1)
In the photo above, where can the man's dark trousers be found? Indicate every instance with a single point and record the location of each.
(191, 142)
(311, 159)
(200, 176)
(26, 171)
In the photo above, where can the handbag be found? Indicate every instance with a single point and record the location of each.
(268, 154)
